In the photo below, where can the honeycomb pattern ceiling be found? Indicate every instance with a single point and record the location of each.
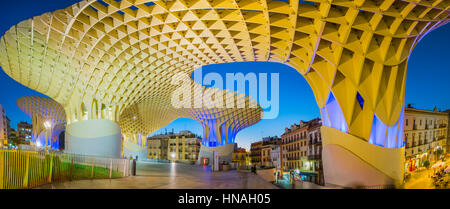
(41, 110)
(144, 117)
(98, 58)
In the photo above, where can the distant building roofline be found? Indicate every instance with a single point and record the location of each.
(410, 109)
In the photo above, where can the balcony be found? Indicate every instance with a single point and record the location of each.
(314, 142)
(314, 157)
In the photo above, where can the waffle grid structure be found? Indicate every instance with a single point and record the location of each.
(48, 119)
(98, 58)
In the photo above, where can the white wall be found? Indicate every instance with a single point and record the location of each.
(133, 150)
(350, 161)
(97, 137)
(225, 153)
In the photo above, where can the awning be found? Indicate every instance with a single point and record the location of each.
(447, 169)
(439, 164)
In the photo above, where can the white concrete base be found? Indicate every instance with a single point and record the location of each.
(132, 150)
(98, 137)
(349, 161)
(225, 153)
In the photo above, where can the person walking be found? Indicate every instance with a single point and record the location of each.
(291, 178)
(254, 169)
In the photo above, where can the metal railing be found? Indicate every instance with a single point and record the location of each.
(26, 169)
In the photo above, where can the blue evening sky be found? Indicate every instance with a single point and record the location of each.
(426, 87)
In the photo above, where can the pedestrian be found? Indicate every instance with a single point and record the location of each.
(254, 169)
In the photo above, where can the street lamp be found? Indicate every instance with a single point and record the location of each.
(48, 126)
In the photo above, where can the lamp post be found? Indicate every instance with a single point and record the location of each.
(48, 127)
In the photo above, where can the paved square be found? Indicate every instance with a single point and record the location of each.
(150, 175)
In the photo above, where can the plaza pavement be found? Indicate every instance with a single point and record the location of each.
(421, 179)
(151, 175)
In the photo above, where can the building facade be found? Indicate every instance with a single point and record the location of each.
(260, 151)
(425, 136)
(294, 146)
(448, 131)
(241, 157)
(3, 127)
(315, 151)
(266, 159)
(183, 146)
(24, 132)
(301, 150)
(275, 156)
(157, 147)
(255, 153)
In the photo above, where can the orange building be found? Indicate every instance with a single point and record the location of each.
(255, 153)
(294, 146)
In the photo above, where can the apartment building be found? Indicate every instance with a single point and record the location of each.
(3, 127)
(425, 136)
(301, 150)
(260, 152)
(275, 156)
(294, 146)
(255, 153)
(182, 146)
(315, 151)
(157, 147)
(241, 157)
(24, 131)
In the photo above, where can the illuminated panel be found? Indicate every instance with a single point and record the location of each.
(335, 118)
(378, 134)
(390, 137)
(400, 141)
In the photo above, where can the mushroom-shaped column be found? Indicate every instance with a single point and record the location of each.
(220, 127)
(48, 119)
(97, 58)
(140, 120)
(221, 119)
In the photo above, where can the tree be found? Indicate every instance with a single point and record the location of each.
(426, 163)
(439, 152)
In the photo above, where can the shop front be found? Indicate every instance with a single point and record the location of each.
(415, 162)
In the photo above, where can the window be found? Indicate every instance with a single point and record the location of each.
(406, 122)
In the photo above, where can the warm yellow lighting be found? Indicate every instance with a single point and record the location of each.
(92, 55)
(47, 124)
